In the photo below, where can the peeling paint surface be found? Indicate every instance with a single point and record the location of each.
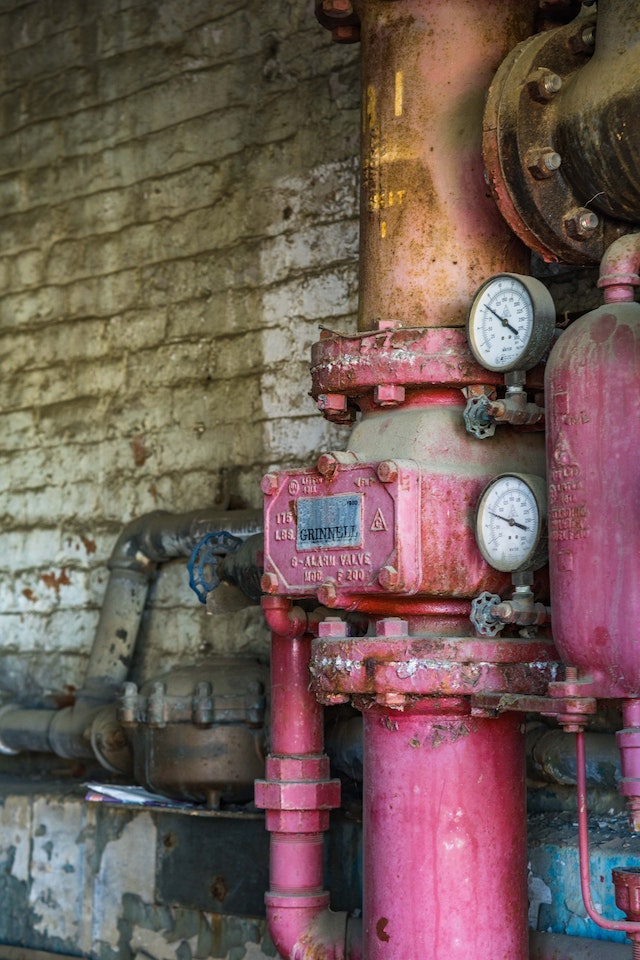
(57, 868)
(127, 866)
(15, 828)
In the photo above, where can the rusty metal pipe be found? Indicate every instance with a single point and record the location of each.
(143, 543)
(556, 946)
(430, 232)
(598, 136)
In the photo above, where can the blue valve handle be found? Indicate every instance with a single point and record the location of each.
(207, 554)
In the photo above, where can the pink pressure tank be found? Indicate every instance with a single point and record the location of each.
(593, 467)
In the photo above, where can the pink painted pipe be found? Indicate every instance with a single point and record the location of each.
(631, 928)
(444, 839)
(619, 269)
(298, 795)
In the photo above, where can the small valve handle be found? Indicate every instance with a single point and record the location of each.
(477, 418)
(482, 617)
(205, 561)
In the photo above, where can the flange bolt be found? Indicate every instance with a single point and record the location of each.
(581, 223)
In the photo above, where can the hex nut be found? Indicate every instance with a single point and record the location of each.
(269, 583)
(544, 85)
(581, 223)
(543, 163)
(269, 484)
(387, 471)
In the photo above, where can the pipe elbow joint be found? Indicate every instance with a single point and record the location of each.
(303, 928)
(620, 269)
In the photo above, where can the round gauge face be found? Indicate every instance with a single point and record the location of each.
(509, 522)
(510, 322)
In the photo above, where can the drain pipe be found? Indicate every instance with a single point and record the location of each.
(298, 796)
(89, 728)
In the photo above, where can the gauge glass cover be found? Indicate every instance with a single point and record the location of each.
(508, 523)
(501, 323)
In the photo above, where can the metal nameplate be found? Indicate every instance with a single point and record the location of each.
(329, 522)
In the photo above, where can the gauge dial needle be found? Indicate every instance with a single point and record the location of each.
(503, 321)
(509, 520)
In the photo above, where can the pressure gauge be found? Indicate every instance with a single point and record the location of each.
(511, 322)
(511, 522)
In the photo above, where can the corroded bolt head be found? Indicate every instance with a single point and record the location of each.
(332, 627)
(269, 484)
(346, 34)
(337, 8)
(332, 699)
(584, 40)
(269, 583)
(581, 223)
(544, 163)
(387, 471)
(332, 402)
(328, 593)
(389, 578)
(397, 701)
(544, 85)
(388, 395)
(392, 627)
(327, 465)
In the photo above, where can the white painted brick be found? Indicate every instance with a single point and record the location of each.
(172, 233)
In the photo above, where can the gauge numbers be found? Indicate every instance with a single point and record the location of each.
(510, 521)
(510, 322)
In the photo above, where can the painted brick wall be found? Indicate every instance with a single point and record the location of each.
(178, 214)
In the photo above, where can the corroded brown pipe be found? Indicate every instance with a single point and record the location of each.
(430, 231)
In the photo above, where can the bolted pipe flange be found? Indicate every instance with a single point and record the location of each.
(533, 109)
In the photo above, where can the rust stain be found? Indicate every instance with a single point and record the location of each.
(169, 840)
(55, 581)
(66, 698)
(219, 889)
(30, 595)
(89, 545)
(138, 445)
(381, 932)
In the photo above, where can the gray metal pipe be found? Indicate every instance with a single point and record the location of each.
(555, 946)
(551, 756)
(79, 731)
(143, 544)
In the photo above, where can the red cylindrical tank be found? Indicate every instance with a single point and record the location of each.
(444, 844)
(593, 468)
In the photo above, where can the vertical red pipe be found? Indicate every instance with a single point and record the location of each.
(445, 840)
(297, 795)
(296, 715)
